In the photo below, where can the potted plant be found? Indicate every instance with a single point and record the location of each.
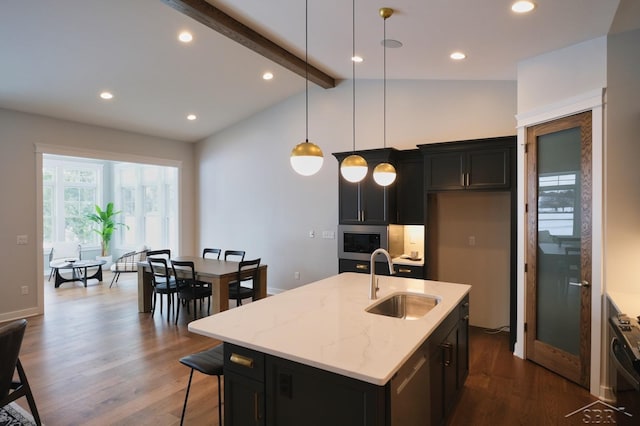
(106, 224)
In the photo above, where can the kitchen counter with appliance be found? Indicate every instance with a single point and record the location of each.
(406, 260)
(626, 303)
(325, 325)
(315, 356)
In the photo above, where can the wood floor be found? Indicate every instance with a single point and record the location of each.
(92, 359)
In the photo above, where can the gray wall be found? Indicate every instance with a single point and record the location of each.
(251, 199)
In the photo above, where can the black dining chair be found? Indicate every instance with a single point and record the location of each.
(236, 255)
(162, 282)
(247, 271)
(11, 336)
(189, 287)
(163, 253)
(209, 362)
(214, 252)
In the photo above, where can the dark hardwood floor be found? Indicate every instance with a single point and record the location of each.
(92, 359)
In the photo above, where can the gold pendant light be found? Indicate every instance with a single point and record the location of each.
(384, 173)
(354, 167)
(306, 157)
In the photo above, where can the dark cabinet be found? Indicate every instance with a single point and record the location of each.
(244, 392)
(263, 389)
(301, 395)
(362, 266)
(366, 202)
(482, 164)
(409, 271)
(410, 188)
(449, 362)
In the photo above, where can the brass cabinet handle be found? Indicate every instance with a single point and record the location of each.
(405, 270)
(362, 266)
(256, 407)
(241, 360)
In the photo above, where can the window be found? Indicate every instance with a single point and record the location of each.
(557, 203)
(148, 198)
(71, 189)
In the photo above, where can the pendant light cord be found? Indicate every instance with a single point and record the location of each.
(306, 66)
(384, 82)
(353, 71)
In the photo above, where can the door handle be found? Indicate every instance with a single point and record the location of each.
(584, 284)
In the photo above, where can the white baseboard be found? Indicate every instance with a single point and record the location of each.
(11, 316)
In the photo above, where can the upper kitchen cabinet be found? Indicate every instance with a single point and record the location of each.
(410, 189)
(483, 164)
(366, 202)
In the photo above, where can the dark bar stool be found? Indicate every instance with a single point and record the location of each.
(208, 362)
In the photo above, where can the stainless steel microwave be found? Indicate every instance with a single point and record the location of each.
(357, 242)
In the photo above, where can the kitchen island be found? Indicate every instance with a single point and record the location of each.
(314, 355)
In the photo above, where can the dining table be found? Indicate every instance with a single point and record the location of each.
(220, 273)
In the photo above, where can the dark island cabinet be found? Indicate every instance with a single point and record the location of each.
(366, 202)
(262, 389)
(481, 164)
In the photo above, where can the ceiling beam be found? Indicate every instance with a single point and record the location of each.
(214, 18)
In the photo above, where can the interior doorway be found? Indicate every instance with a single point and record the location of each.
(146, 195)
(559, 236)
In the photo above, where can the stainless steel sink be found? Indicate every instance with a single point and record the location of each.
(409, 306)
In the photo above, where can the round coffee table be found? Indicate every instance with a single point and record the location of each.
(78, 270)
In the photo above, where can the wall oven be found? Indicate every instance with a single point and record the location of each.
(357, 242)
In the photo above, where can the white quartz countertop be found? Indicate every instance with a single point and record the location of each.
(324, 325)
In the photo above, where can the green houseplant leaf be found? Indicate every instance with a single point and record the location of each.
(104, 219)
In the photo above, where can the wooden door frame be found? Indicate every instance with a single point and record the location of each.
(575, 368)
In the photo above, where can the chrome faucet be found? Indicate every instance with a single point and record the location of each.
(373, 289)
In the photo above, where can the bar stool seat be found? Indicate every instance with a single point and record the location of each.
(209, 362)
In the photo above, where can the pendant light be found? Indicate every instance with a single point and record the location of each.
(384, 173)
(306, 157)
(354, 167)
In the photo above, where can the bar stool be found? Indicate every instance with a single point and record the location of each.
(209, 362)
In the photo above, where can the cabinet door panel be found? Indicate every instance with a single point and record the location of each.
(243, 400)
(488, 169)
(374, 203)
(444, 171)
(301, 395)
(349, 194)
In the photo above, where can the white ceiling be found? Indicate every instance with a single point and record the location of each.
(56, 56)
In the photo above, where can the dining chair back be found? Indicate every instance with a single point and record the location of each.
(212, 252)
(189, 287)
(162, 282)
(163, 253)
(247, 271)
(237, 255)
(11, 336)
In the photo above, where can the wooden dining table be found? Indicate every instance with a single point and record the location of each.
(217, 272)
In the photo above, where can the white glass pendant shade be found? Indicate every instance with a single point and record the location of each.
(384, 174)
(353, 168)
(306, 158)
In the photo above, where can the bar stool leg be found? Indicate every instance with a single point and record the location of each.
(184, 407)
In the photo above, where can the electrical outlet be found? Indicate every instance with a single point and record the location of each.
(22, 239)
(312, 234)
(24, 290)
(296, 275)
(472, 240)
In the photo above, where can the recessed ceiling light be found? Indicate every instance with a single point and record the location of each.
(523, 6)
(267, 76)
(457, 56)
(185, 36)
(357, 59)
(106, 95)
(191, 117)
